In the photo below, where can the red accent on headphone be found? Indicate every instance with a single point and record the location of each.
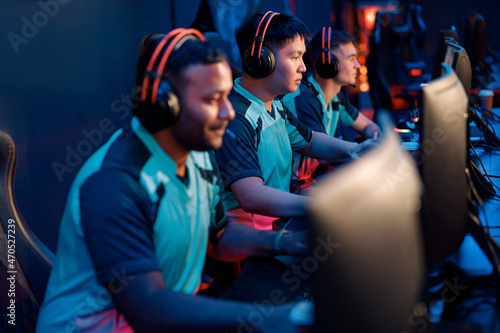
(323, 45)
(263, 33)
(175, 35)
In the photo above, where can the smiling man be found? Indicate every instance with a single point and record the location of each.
(256, 156)
(319, 102)
(145, 210)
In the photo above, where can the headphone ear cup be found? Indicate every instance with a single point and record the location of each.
(327, 70)
(167, 105)
(259, 67)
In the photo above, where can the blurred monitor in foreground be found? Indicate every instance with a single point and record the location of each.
(368, 213)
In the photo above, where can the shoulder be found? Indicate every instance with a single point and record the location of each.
(205, 164)
(240, 103)
(341, 98)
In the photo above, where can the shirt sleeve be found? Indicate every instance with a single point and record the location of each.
(300, 135)
(310, 111)
(117, 219)
(237, 158)
(219, 217)
(348, 117)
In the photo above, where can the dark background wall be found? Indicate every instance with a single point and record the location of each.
(67, 74)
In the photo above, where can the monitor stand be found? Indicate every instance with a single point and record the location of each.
(487, 243)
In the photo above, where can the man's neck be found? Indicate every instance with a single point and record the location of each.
(329, 88)
(257, 87)
(176, 152)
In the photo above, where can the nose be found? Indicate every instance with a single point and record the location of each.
(226, 110)
(302, 66)
(357, 64)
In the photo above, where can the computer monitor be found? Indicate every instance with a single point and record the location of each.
(456, 57)
(367, 259)
(444, 36)
(442, 160)
(476, 42)
(470, 21)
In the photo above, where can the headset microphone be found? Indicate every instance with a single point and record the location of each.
(353, 85)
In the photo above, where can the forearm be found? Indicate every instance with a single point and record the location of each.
(326, 148)
(365, 127)
(240, 241)
(254, 197)
(187, 313)
(149, 307)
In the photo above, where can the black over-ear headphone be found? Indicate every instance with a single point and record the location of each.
(260, 63)
(327, 66)
(164, 100)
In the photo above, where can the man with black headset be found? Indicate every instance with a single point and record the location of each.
(255, 159)
(319, 102)
(145, 209)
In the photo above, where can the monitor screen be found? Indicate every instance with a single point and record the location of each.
(443, 158)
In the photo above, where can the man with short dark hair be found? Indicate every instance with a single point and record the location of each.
(319, 102)
(256, 155)
(145, 209)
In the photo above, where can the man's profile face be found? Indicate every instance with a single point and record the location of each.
(287, 74)
(205, 107)
(347, 56)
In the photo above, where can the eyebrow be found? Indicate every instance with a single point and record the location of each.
(297, 52)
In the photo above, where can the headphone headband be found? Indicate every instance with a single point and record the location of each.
(260, 38)
(323, 46)
(327, 69)
(175, 35)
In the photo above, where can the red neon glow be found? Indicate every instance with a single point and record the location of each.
(415, 72)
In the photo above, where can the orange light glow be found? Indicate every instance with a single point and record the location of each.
(363, 70)
(361, 59)
(415, 72)
(364, 87)
(369, 14)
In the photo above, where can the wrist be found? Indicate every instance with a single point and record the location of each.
(277, 248)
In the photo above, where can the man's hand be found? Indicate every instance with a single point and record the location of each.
(280, 320)
(364, 146)
(295, 243)
(372, 131)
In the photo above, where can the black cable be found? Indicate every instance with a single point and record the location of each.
(485, 172)
(488, 131)
(474, 218)
(496, 259)
(482, 144)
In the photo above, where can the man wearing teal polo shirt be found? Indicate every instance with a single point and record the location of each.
(145, 210)
(255, 159)
(319, 102)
